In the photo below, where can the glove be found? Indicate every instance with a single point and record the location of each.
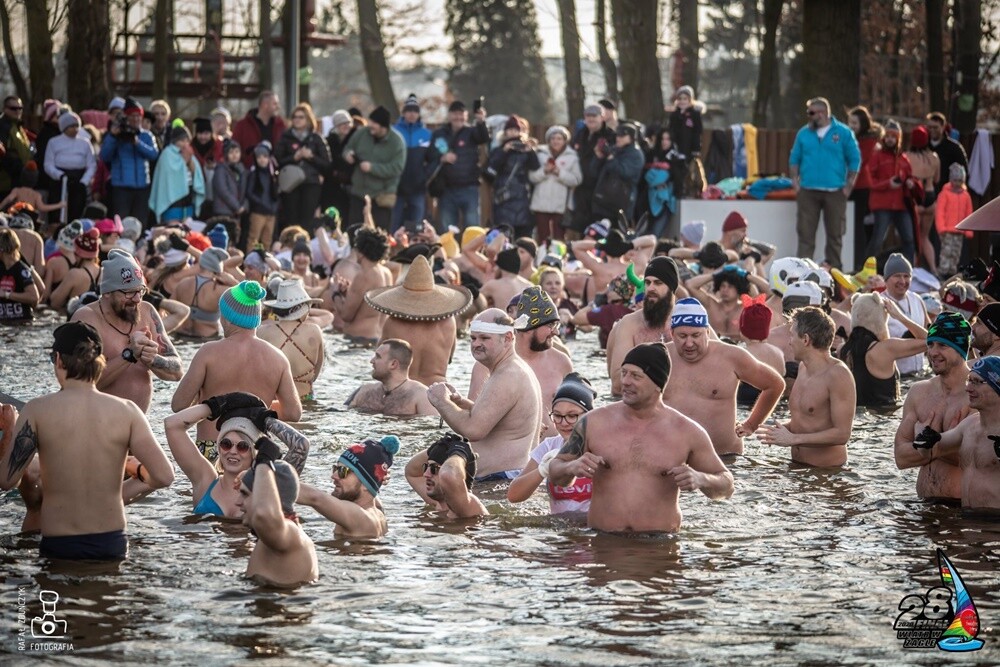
(232, 401)
(257, 415)
(177, 242)
(267, 451)
(752, 253)
(154, 298)
(543, 467)
(926, 439)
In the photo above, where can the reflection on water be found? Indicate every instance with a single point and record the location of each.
(799, 567)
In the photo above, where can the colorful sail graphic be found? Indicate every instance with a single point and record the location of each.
(961, 633)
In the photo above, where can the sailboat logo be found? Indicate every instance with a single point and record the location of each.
(961, 632)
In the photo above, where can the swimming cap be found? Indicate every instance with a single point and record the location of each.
(951, 329)
(651, 359)
(370, 461)
(689, 313)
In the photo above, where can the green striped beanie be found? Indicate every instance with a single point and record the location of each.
(241, 304)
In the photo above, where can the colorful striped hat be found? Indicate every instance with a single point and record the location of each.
(241, 304)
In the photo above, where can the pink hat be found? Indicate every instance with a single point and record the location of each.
(109, 226)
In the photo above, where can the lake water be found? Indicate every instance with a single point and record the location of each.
(798, 567)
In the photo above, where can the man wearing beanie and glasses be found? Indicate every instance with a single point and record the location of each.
(357, 478)
(82, 513)
(636, 468)
(136, 344)
(822, 400)
(706, 375)
(239, 362)
(974, 444)
(651, 324)
(940, 401)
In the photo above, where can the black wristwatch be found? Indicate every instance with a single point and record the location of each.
(129, 356)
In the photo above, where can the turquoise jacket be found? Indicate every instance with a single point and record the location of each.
(824, 164)
(170, 182)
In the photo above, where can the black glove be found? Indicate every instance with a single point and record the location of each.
(177, 242)
(926, 439)
(257, 415)
(752, 253)
(153, 297)
(267, 451)
(975, 270)
(232, 401)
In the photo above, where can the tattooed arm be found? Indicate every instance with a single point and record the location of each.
(298, 444)
(166, 365)
(17, 457)
(574, 460)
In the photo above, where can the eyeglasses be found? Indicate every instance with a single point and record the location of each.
(433, 467)
(226, 444)
(133, 295)
(569, 419)
(16, 108)
(341, 471)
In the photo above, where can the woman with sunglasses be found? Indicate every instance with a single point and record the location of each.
(242, 420)
(573, 399)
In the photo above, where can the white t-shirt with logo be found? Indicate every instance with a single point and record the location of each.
(562, 499)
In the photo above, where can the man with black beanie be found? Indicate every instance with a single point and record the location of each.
(637, 469)
(379, 155)
(443, 475)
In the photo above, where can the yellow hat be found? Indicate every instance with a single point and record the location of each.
(471, 234)
(449, 245)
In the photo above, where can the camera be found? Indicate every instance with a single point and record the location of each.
(518, 146)
(125, 131)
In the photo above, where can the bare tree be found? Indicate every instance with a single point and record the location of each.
(690, 41)
(831, 43)
(934, 16)
(161, 48)
(607, 62)
(8, 48)
(636, 38)
(41, 71)
(767, 76)
(87, 31)
(571, 59)
(968, 49)
(373, 55)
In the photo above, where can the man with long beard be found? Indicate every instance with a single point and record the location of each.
(651, 324)
(533, 343)
(135, 342)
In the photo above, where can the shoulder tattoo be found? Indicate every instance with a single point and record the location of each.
(25, 446)
(576, 443)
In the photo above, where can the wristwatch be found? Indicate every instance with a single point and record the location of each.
(129, 356)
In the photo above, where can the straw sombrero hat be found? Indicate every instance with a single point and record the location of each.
(418, 298)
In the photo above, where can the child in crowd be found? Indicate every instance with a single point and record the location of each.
(262, 197)
(953, 205)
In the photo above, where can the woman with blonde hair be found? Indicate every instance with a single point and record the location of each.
(302, 147)
(871, 354)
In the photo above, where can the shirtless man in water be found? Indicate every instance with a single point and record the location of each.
(640, 453)
(443, 475)
(533, 344)
(649, 325)
(284, 555)
(940, 401)
(505, 420)
(393, 392)
(238, 362)
(357, 478)
(822, 401)
(135, 343)
(82, 437)
(507, 283)
(974, 443)
(362, 323)
(706, 375)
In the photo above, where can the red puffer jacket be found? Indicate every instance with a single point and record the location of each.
(884, 166)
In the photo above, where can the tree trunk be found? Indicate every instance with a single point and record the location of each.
(87, 31)
(265, 77)
(690, 41)
(635, 35)
(41, 72)
(767, 74)
(161, 49)
(373, 54)
(607, 62)
(831, 53)
(968, 33)
(8, 49)
(934, 19)
(571, 60)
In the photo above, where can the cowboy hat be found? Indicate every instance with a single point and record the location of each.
(418, 298)
(291, 293)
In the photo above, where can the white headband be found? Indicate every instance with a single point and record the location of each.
(479, 326)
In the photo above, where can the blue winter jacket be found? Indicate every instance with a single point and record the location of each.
(421, 157)
(129, 162)
(824, 164)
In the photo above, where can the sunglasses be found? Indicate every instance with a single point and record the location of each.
(432, 466)
(52, 356)
(341, 471)
(226, 444)
(16, 108)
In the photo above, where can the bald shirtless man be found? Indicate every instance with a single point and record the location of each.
(443, 475)
(705, 376)
(238, 362)
(507, 283)
(357, 479)
(533, 344)
(941, 401)
(505, 420)
(363, 324)
(640, 453)
(82, 438)
(283, 556)
(975, 443)
(393, 392)
(822, 401)
(135, 342)
(649, 325)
